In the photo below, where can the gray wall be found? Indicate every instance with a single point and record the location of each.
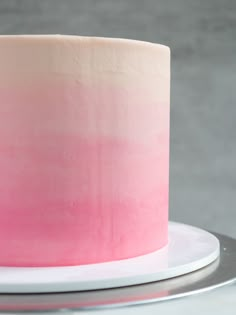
(202, 36)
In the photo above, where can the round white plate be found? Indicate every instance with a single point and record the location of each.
(189, 249)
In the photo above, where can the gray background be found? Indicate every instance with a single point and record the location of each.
(202, 37)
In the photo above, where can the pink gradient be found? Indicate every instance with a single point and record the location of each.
(83, 174)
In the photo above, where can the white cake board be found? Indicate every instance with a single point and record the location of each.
(189, 249)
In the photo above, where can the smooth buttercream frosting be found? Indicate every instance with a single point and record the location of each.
(84, 149)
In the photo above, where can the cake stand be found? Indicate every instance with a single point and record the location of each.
(217, 269)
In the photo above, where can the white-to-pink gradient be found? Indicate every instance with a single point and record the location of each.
(84, 149)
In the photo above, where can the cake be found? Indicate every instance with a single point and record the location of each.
(84, 149)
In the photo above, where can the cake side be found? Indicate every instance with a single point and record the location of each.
(84, 142)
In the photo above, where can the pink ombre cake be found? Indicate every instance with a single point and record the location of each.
(84, 149)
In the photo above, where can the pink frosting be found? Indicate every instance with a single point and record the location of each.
(84, 150)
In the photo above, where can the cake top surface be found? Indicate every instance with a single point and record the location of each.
(86, 39)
